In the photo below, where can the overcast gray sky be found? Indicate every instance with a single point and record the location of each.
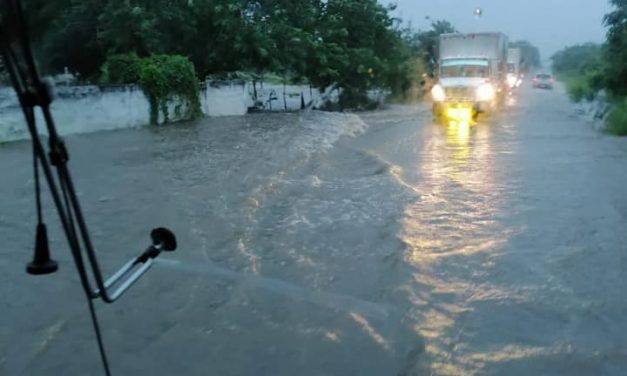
(548, 24)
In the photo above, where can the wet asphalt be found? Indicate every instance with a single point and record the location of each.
(316, 243)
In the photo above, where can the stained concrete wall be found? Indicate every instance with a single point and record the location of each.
(90, 108)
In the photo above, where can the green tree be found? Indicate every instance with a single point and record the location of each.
(121, 69)
(290, 26)
(427, 43)
(581, 69)
(424, 44)
(354, 44)
(126, 26)
(228, 37)
(69, 37)
(615, 53)
(354, 47)
(574, 59)
(167, 79)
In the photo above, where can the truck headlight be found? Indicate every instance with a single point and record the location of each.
(512, 80)
(438, 94)
(485, 93)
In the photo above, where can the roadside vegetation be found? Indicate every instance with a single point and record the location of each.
(352, 45)
(164, 79)
(581, 70)
(355, 45)
(617, 118)
(593, 70)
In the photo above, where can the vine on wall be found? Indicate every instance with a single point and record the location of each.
(164, 79)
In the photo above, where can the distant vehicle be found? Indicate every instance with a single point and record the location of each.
(514, 72)
(471, 74)
(543, 81)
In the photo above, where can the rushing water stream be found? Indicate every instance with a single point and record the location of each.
(336, 244)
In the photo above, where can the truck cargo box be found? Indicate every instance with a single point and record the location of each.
(492, 46)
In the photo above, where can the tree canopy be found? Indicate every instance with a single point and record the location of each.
(615, 52)
(355, 43)
(600, 66)
(590, 68)
(574, 59)
(424, 44)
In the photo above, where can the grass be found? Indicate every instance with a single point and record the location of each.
(617, 118)
(577, 87)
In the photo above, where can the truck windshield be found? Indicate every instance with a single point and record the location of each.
(464, 70)
(511, 68)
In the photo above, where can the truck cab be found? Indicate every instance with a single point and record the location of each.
(471, 75)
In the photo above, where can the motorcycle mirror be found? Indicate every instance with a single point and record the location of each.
(163, 238)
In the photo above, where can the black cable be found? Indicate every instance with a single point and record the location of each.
(63, 179)
(37, 186)
(72, 237)
(67, 214)
(74, 243)
(101, 348)
(32, 92)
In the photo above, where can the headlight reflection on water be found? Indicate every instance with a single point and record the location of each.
(459, 114)
(459, 195)
(453, 234)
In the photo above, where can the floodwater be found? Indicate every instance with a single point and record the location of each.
(320, 243)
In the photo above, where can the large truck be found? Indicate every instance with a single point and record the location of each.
(514, 67)
(471, 74)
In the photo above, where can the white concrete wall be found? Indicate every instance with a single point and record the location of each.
(89, 108)
(11, 118)
(78, 110)
(292, 94)
(224, 98)
(81, 109)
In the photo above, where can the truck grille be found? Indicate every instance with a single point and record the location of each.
(463, 93)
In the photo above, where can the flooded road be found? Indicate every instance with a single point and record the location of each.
(335, 244)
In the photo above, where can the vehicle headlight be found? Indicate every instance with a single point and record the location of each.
(485, 92)
(511, 80)
(438, 94)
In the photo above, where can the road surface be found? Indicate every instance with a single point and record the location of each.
(335, 244)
